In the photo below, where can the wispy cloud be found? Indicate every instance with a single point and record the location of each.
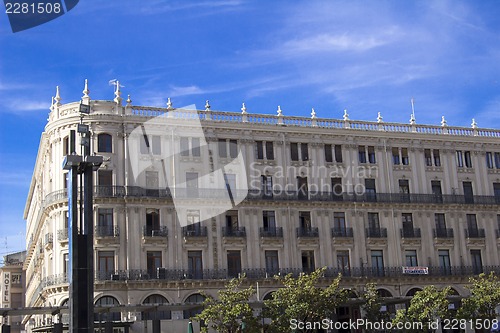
(15, 178)
(20, 106)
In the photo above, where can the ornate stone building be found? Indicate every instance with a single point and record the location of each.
(402, 205)
(12, 290)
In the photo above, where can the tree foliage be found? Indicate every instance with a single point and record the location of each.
(426, 307)
(303, 300)
(484, 298)
(226, 313)
(372, 304)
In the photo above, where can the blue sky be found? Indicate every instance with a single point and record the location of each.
(365, 56)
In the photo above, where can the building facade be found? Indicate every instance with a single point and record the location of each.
(12, 288)
(401, 205)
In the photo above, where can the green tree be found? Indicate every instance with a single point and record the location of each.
(231, 308)
(484, 298)
(372, 305)
(302, 300)
(426, 307)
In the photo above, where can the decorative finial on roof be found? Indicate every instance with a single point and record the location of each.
(169, 104)
(280, 113)
(118, 94)
(58, 97)
(346, 115)
(474, 124)
(313, 114)
(207, 106)
(86, 89)
(443, 122)
(243, 108)
(129, 101)
(379, 118)
(412, 119)
(52, 106)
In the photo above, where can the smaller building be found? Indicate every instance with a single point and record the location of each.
(12, 288)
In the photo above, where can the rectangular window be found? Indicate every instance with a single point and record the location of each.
(404, 186)
(377, 259)
(65, 263)
(152, 180)
(328, 153)
(105, 264)
(184, 146)
(308, 261)
(468, 192)
(404, 156)
(144, 144)
(373, 222)
(302, 188)
(338, 153)
(232, 220)
(156, 145)
(497, 160)
(407, 222)
(427, 157)
(362, 154)
(233, 263)
(272, 263)
(437, 157)
(489, 160)
(268, 220)
(195, 264)
(337, 190)
(66, 146)
(439, 219)
(222, 148)
(496, 191)
(192, 184)
(267, 185)
(195, 147)
(233, 148)
(468, 159)
(444, 261)
(105, 177)
(411, 258)
(269, 150)
(477, 262)
(460, 159)
(105, 217)
(294, 151)
(371, 155)
(304, 152)
(153, 262)
(152, 222)
(343, 262)
(259, 149)
(370, 190)
(305, 220)
(395, 156)
(339, 223)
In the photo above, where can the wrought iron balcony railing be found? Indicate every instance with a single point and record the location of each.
(376, 232)
(271, 232)
(342, 232)
(102, 231)
(276, 195)
(307, 232)
(475, 233)
(160, 231)
(443, 233)
(234, 232)
(410, 233)
(198, 231)
(48, 239)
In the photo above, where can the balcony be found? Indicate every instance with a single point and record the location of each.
(307, 232)
(48, 240)
(160, 231)
(194, 232)
(343, 236)
(376, 232)
(271, 232)
(475, 237)
(285, 195)
(443, 233)
(107, 231)
(239, 232)
(410, 236)
(62, 235)
(169, 275)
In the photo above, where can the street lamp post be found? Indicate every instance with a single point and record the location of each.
(80, 233)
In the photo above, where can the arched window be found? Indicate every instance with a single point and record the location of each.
(104, 143)
(193, 299)
(413, 291)
(65, 316)
(390, 308)
(152, 315)
(107, 301)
